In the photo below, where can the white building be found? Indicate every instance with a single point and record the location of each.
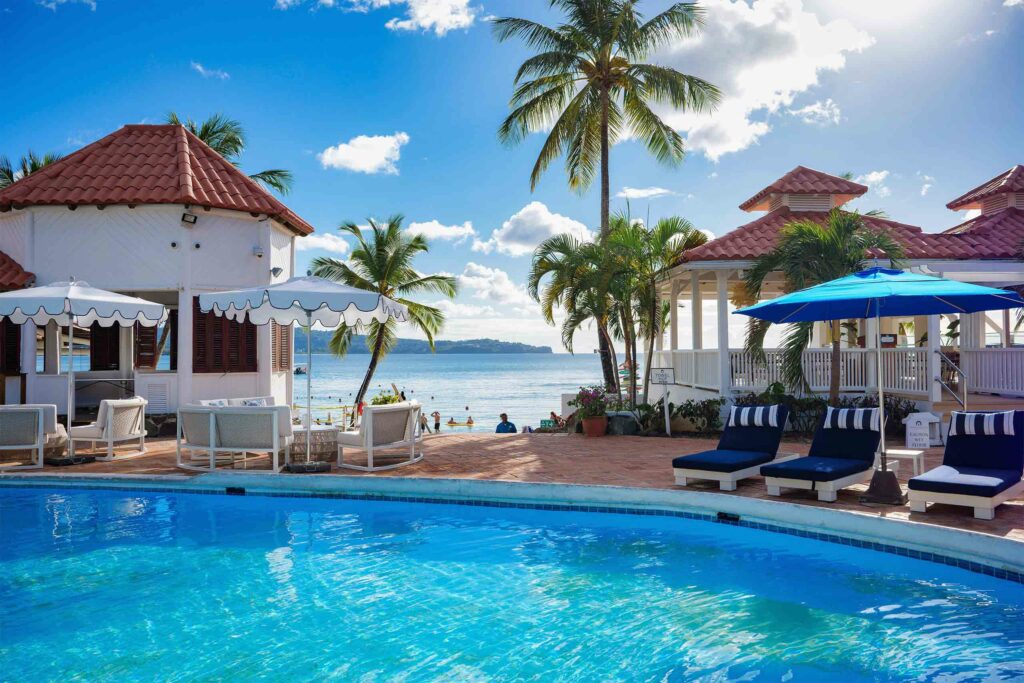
(984, 250)
(153, 212)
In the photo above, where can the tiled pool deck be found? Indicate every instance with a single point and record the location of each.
(640, 462)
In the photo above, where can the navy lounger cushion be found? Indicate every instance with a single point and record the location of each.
(722, 461)
(845, 444)
(755, 439)
(815, 469)
(967, 481)
(997, 451)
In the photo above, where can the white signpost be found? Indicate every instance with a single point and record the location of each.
(664, 376)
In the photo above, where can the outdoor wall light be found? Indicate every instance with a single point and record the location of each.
(196, 245)
(276, 271)
(257, 252)
(189, 218)
(174, 245)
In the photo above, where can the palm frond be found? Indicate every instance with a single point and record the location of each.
(276, 179)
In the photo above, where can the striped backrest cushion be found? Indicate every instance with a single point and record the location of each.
(852, 418)
(984, 424)
(754, 416)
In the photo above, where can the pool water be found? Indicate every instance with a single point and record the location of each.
(116, 585)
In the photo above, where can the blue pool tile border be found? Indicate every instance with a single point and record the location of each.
(938, 558)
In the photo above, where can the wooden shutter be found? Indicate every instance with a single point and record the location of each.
(146, 347)
(172, 323)
(220, 344)
(104, 347)
(10, 348)
(281, 347)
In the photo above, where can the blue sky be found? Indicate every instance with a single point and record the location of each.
(392, 106)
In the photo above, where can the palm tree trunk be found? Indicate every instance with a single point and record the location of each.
(374, 358)
(608, 363)
(611, 380)
(833, 381)
(652, 325)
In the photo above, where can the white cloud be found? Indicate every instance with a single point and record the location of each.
(927, 182)
(643, 192)
(1013, 3)
(210, 73)
(327, 242)
(366, 153)
(876, 181)
(969, 38)
(439, 16)
(776, 50)
(435, 230)
(819, 113)
(54, 4)
(713, 175)
(527, 228)
(496, 287)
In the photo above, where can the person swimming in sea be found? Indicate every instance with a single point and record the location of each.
(452, 422)
(469, 421)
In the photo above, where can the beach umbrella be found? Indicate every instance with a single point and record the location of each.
(880, 293)
(76, 303)
(307, 301)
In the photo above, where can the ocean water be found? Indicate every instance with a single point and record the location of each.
(526, 386)
(130, 586)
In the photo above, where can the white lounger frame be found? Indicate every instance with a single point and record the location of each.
(215, 453)
(984, 507)
(112, 442)
(726, 480)
(38, 446)
(826, 489)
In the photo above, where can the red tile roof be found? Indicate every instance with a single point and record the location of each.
(978, 239)
(141, 164)
(803, 180)
(12, 275)
(1010, 181)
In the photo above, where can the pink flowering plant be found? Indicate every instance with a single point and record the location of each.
(590, 402)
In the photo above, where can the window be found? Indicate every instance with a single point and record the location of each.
(104, 347)
(10, 348)
(281, 347)
(220, 344)
(156, 348)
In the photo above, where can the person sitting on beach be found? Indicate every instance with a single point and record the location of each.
(505, 427)
(557, 419)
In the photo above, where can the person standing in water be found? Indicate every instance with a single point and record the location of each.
(505, 427)
(437, 420)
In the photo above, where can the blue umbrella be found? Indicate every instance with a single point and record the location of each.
(877, 293)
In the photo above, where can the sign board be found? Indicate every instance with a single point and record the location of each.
(547, 424)
(919, 429)
(663, 376)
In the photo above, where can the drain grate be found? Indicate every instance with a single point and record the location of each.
(235, 491)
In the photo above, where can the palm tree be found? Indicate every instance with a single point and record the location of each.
(227, 137)
(590, 84)
(808, 254)
(27, 165)
(384, 264)
(647, 253)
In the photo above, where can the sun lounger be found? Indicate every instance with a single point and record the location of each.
(750, 439)
(31, 428)
(386, 427)
(117, 421)
(981, 467)
(842, 454)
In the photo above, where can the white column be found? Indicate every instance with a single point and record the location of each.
(659, 336)
(264, 361)
(724, 364)
(188, 238)
(934, 364)
(674, 316)
(1007, 342)
(696, 312)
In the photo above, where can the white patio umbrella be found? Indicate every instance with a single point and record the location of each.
(76, 303)
(306, 301)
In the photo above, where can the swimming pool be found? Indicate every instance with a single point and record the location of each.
(121, 585)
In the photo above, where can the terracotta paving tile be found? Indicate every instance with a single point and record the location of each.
(642, 462)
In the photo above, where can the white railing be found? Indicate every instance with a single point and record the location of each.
(995, 371)
(905, 371)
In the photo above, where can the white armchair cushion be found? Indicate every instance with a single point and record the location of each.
(89, 431)
(252, 401)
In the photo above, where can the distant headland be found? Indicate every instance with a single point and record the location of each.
(321, 338)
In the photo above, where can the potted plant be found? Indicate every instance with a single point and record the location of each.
(591, 409)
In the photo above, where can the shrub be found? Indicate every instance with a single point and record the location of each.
(705, 415)
(385, 398)
(590, 402)
(806, 411)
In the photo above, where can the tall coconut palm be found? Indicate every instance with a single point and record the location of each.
(590, 85)
(384, 263)
(647, 253)
(227, 137)
(808, 254)
(27, 165)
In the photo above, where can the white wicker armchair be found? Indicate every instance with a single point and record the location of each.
(117, 421)
(220, 434)
(32, 428)
(386, 427)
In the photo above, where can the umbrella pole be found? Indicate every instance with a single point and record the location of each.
(885, 489)
(309, 381)
(71, 384)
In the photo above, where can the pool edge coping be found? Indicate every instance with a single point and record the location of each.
(972, 550)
